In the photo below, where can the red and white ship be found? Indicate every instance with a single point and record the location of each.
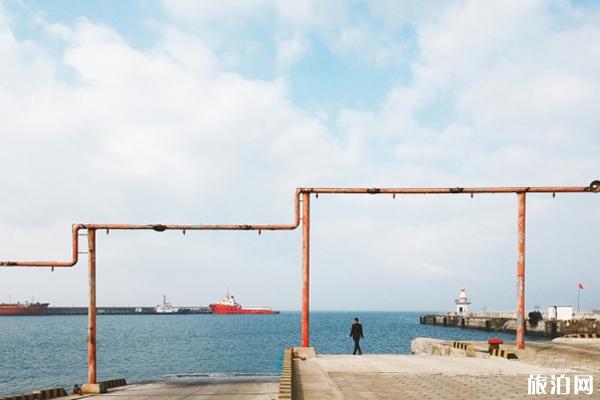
(23, 308)
(228, 305)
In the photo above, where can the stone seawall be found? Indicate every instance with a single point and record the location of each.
(550, 329)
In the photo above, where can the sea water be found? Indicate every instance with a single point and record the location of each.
(49, 351)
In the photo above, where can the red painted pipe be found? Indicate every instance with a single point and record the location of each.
(305, 269)
(454, 190)
(521, 273)
(91, 338)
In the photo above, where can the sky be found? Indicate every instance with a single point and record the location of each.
(174, 111)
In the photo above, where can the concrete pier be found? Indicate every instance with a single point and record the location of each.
(250, 388)
(507, 323)
(412, 377)
(126, 310)
(443, 377)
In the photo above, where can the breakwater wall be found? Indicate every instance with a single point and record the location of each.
(542, 328)
(124, 311)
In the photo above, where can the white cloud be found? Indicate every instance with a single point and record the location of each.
(293, 22)
(290, 49)
(508, 79)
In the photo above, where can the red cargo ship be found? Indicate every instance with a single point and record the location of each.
(228, 305)
(23, 308)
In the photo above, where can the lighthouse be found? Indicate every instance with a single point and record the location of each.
(462, 303)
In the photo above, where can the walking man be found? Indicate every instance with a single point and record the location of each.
(356, 333)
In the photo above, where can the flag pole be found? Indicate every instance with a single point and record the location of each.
(579, 287)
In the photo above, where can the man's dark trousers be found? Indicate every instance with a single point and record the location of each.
(356, 345)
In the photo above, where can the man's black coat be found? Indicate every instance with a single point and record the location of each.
(356, 331)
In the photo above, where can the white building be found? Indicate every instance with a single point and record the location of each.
(462, 303)
(560, 313)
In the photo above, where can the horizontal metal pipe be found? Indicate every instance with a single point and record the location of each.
(454, 190)
(207, 227)
(197, 227)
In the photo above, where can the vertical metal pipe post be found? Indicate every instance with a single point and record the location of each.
(521, 273)
(305, 268)
(91, 339)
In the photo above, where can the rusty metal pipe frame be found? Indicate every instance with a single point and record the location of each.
(305, 192)
(594, 187)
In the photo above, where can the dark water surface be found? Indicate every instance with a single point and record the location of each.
(40, 352)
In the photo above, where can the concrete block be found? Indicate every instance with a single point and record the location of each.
(39, 394)
(49, 393)
(434, 347)
(113, 383)
(93, 388)
(305, 352)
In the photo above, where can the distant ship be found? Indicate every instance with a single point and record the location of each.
(23, 308)
(228, 305)
(165, 307)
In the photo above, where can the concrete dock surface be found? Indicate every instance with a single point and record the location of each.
(446, 377)
(413, 377)
(194, 389)
(579, 354)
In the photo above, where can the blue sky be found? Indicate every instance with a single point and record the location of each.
(215, 111)
(322, 77)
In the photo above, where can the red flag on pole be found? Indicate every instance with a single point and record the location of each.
(580, 285)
